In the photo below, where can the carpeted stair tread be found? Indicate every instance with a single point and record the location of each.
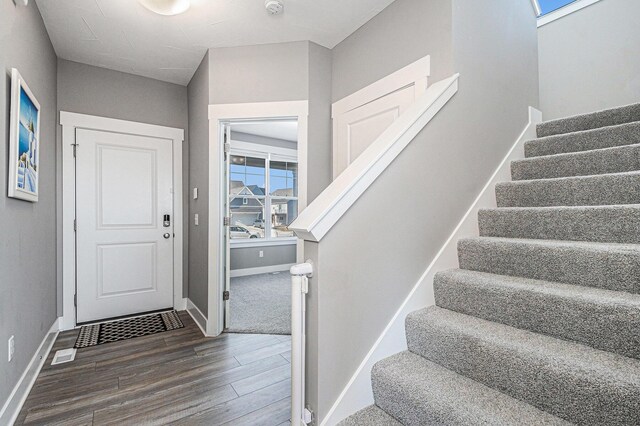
(609, 189)
(605, 137)
(370, 416)
(619, 224)
(419, 392)
(603, 319)
(595, 162)
(567, 379)
(607, 266)
(594, 120)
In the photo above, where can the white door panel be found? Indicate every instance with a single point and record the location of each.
(124, 261)
(358, 128)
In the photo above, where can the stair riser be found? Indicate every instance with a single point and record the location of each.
(594, 120)
(626, 134)
(611, 160)
(596, 224)
(600, 323)
(589, 191)
(609, 270)
(560, 386)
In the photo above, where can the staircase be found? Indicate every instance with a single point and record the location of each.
(541, 323)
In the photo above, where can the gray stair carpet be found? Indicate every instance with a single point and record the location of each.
(541, 322)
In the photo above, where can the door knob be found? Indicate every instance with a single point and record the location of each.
(167, 235)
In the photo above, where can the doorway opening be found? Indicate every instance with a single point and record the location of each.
(261, 199)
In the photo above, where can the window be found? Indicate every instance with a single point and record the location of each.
(548, 6)
(263, 196)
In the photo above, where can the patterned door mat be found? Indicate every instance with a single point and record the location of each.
(107, 332)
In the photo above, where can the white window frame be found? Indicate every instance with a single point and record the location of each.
(267, 153)
(563, 11)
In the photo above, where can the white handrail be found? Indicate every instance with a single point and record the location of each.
(300, 275)
(319, 217)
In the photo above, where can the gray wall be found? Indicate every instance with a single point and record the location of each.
(98, 91)
(319, 162)
(369, 261)
(589, 60)
(404, 32)
(198, 93)
(28, 230)
(249, 257)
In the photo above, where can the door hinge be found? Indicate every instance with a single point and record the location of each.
(75, 225)
(227, 147)
(75, 300)
(225, 295)
(226, 221)
(75, 146)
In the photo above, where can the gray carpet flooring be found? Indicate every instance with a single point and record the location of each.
(541, 323)
(261, 304)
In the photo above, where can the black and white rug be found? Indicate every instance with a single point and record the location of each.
(129, 328)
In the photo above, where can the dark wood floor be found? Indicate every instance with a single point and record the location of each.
(176, 377)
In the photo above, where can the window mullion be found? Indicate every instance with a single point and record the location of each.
(267, 207)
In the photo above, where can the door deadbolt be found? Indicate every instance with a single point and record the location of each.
(166, 221)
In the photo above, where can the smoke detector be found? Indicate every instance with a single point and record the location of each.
(274, 7)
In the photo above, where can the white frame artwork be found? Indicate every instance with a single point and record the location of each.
(32, 159)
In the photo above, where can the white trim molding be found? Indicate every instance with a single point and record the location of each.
(318, 218)
(357, 394)
(70, 122)
(218, 115)
(13, 405)
(198, 317)
(564, 11)
(415, 74)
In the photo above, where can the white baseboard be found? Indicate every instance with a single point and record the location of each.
(18, 396)
(357, 393)
(261, 270)
(198, 317)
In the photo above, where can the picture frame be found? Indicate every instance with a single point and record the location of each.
(24, 141)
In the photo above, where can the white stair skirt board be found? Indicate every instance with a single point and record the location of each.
(357, 394)
(18, 396)
(260, 270)
(198, 317)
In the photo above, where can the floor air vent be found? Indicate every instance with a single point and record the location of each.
(64, 355)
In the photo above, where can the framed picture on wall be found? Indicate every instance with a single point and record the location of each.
(24, 141)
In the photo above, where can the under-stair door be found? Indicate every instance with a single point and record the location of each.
(359, 119)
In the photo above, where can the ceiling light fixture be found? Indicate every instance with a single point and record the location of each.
(166, 7)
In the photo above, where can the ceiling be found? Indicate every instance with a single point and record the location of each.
(276, 129)
(124, 36)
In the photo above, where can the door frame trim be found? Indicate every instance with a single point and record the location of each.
(243, 111)
(71, 121)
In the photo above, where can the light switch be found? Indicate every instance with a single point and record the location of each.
(195, 219)
(195, 193)
(261, 254)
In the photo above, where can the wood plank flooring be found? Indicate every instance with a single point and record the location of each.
(177, 377)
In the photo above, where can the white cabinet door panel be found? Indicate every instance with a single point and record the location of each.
(355, 130)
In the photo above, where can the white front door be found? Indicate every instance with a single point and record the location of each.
(124, 247)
